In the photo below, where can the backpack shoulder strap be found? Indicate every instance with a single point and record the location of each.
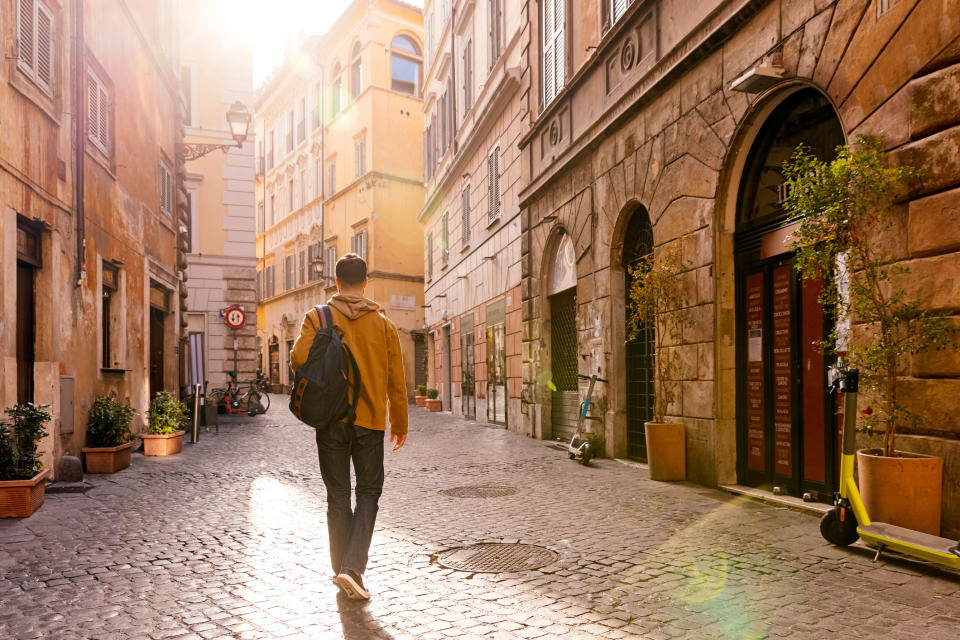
(323, 311)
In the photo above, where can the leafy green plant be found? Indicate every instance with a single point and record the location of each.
(656, 303)
(166, 414)
(421, 389)
(108, 424)
(844, 212)
(432, 394)
(20, 436)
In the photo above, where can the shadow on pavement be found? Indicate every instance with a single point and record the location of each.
(358, 623)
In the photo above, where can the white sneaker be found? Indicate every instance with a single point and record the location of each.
(352, 584)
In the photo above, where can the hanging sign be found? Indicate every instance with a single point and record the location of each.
(235, 317)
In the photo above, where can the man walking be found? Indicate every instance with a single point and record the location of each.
(375, 345)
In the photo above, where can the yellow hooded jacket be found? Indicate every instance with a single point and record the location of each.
(375, 344)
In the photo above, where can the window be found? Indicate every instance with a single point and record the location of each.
(467, 76)
(98, 112)
(35, 53)
(273, 210)
(356, 72)
(303, 189)
(554, 67)
(360, 155)
(495, 30)
(270, 147)
(331, 179)
(445, 239)
(358, 244)
(302, 125)
(288, 273)
(290, 131)
(193, 212)
(259, 286)
(313, 259)
(186, 89)
(405, 65)
(166, 190)
(335, 90)
(330, 264)
(302, 271)
(613, 10)
(430, 256)
(111, 316)
(465, 215)
(290, 196)
(493, 183)
(317, 104)
(271, 285)
(318, 167)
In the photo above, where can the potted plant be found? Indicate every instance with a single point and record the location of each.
(164, 437)
(845, 221)
(22, 475)
(433, 402)
(210, 412)
(656, 301)
(421, 397)
(109, 439)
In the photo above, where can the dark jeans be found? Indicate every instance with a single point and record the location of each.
(350, 529)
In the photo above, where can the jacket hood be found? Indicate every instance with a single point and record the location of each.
(353, 306)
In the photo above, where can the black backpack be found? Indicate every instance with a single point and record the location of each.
(321, 386)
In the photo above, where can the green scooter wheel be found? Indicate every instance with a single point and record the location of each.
(835, 531)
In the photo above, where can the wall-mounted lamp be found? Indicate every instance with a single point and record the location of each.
(238, 119)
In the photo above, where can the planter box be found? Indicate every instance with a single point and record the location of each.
(20, 498)
(903, 490)
(165, 445)
(434, 405)
(209, 415)
(107, 459)
(420, 400)
(666, 451)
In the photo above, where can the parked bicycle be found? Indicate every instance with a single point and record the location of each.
(246, 397)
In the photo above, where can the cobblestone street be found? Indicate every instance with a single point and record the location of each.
(228, 539)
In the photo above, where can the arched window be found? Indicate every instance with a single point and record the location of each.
(336, 89)
(405, 57)
(356, 71)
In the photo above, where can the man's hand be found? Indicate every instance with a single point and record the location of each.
(397, 440)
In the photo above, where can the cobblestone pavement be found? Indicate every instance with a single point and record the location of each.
(228, 539)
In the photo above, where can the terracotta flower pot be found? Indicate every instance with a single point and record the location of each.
(162, 445)
(666, 451)
(435, 404)
(420, 400)
(903, 490)
(107, 459)
(20, 498)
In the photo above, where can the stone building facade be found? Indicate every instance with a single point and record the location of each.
(665, 121)
(338, 125)
(91, 269)
(475, 111)
(221, 260)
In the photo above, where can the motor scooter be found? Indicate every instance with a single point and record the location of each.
(848, 519)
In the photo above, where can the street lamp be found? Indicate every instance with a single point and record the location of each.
(238, 119)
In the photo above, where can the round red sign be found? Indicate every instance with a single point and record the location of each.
(235, 317)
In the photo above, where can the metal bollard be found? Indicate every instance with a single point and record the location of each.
(195, 432)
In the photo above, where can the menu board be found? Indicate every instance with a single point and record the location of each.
(782, 378)
(756, 460)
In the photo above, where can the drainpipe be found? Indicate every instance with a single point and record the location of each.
(453, 72)
(78, 131)
(323, 175)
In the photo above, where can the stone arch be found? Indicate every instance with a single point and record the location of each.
(725, 225)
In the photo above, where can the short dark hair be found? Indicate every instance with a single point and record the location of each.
(351, 269)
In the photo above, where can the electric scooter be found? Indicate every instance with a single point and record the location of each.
(580, 449)
(848, 519)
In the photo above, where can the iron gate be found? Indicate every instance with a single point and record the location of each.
(563, 362)
(639, 351)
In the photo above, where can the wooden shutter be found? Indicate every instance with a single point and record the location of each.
(619, 7)
(93, 109)
(465, 214)
(430, 256)
(493, 183)
(44, 45)
(26, 16)
(553, 49)
(445, 239)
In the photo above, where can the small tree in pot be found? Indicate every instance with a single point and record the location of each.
(656, 303)
(845, 221)
(421, 397)
(433, 402)
(166, 416)
(22, 474)
(108, 435)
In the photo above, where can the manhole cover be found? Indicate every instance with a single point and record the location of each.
(497, 557)
(479, 491)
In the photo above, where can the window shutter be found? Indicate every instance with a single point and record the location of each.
(559, 72)
(495, 180)
(619, 7)
(549, 63)
(465, 214)
(490, 187)
(430, 256)
(44, 44)
(25, 35)
(445, 246)
(93, 109)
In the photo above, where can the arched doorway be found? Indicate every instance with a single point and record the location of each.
(786, 434)
(638, 352)
(562, 297)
